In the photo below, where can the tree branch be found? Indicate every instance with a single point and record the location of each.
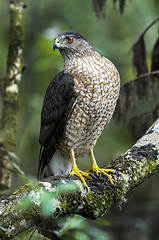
(39, 203)
(9, 87)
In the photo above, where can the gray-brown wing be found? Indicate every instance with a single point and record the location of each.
(58, 103)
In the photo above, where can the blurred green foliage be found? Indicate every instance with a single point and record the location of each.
(113, 37)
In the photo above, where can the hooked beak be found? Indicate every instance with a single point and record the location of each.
(56, 44)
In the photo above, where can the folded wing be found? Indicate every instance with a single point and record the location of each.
(58, 103)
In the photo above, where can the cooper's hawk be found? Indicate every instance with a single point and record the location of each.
(78, 105)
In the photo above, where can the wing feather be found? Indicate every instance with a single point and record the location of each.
(59, 100)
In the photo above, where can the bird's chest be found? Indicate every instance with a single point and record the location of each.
(94, 87)
(90, 108)
(88, 117)
(97, 90)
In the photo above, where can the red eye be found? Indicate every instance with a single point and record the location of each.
(69, 39)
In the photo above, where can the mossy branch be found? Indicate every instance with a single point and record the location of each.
(41, 203)
(9, 87)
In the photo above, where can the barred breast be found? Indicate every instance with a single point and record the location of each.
(97, 85)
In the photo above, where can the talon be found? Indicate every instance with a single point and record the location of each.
(99, 174)
(113, 186)
(92, 175)
(86, 187)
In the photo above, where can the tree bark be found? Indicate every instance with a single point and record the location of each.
(9, 90)
(40, 203)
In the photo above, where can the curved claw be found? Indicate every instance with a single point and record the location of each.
(99, 174)
(113, 186)
(92, 175)
(86, 187)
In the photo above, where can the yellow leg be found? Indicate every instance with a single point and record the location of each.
(97, 170)
(76, 171)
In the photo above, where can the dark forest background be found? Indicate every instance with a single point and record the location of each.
(136, 216)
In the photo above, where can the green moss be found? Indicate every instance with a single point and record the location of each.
(151, 166)
(3, 235)
(23, 189)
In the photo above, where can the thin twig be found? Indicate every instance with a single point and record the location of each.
(143, 75)
(157, 19)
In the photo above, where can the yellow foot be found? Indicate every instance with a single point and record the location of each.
(104, 171)
(76, 171)
(97, 170)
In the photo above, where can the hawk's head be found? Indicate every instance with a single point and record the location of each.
(71, 43)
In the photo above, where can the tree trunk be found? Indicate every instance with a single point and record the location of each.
(9, 90)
